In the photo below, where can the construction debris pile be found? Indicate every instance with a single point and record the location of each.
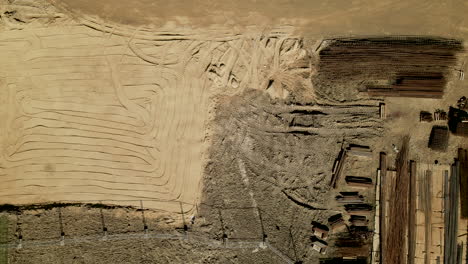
(349, 231)
(392, 66)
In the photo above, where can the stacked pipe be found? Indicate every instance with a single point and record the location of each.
(407, 66)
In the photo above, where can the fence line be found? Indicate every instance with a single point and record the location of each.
(186, 235)
(212, 243)
(124, 236)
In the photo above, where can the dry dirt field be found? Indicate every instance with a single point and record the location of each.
(161, 128)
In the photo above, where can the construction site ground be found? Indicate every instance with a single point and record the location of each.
(193, 132)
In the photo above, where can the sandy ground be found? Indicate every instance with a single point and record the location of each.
(86, 119)
(317, 18)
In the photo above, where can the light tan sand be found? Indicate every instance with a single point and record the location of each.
(311, 17)
(86, 119)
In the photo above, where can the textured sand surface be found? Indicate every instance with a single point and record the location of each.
(103, 112)
(88, 115)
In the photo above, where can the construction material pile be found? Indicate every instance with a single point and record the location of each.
(389, 66)
(394, 250)
(463, 159)
(438, 139)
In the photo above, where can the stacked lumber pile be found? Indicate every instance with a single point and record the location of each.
(349, 197)
(382, 111)
(394, 248)
(463, 159)
(320, 234)
(320, 231)
(344, 260)
(425, 116)
(338, 167)
(416, 84)
(357, 181)
(358, 209)
(360, 151)
(336, 223)
(359, 220)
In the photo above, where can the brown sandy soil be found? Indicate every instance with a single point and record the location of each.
(124, 241)
(78, 222)
(316, 18)
(269, 164)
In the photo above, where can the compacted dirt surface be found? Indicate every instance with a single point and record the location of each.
(194, 131)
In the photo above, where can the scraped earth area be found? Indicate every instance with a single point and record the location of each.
(90, 115)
